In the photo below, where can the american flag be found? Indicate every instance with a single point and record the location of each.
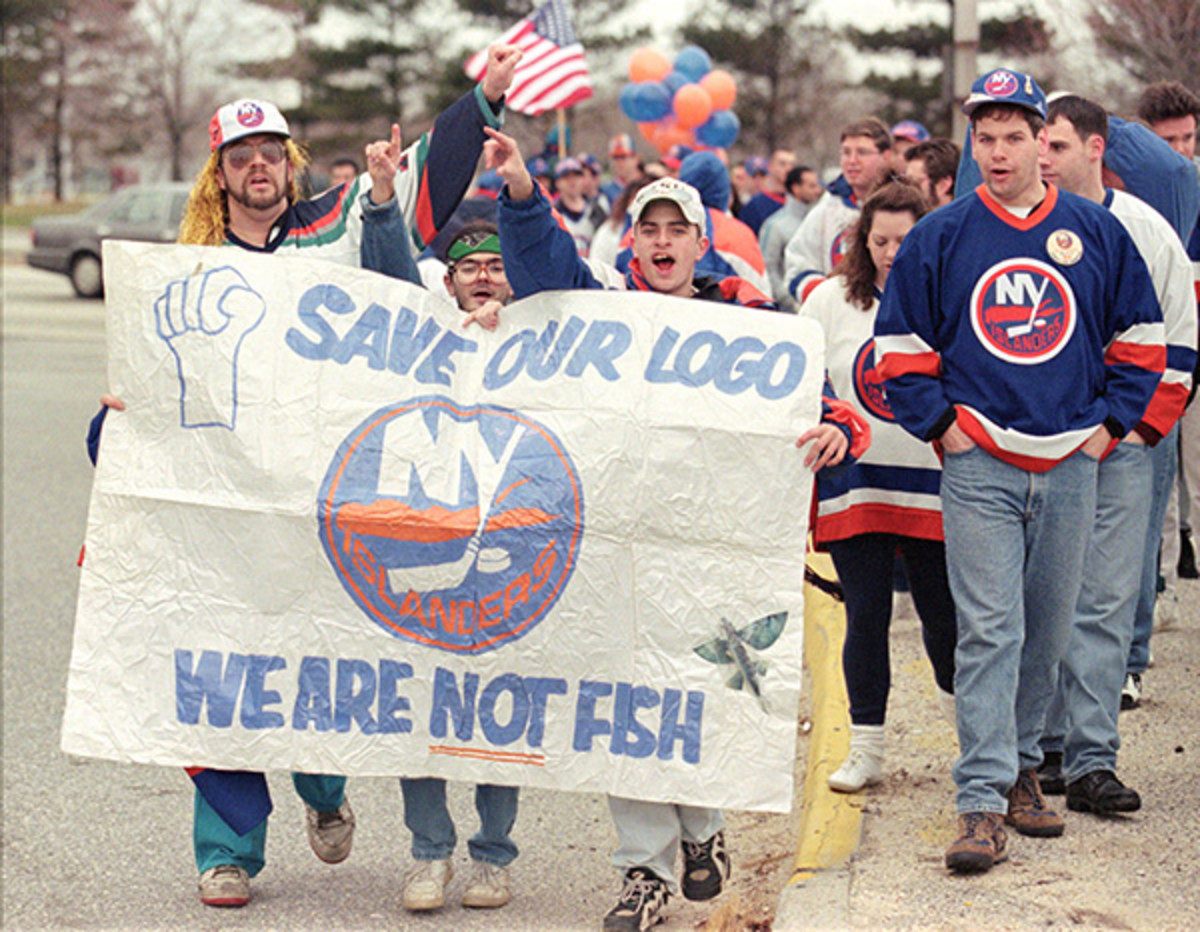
(552, 74)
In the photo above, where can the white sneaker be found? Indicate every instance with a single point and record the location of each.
(487, 886)
(1166, 612)
(425, 885)
(863, 766)
(330, 834)
(225, 885)
(1131, 692)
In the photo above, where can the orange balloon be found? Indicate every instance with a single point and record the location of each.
(672, 133)
(648, 64)
(721, 89)
(650, 131)
(692, 105)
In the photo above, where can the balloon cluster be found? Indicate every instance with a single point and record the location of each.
(687, 103)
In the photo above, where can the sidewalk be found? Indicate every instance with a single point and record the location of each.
(1123, 872)
(15, 243)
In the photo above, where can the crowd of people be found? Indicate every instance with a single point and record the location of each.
(1009, 365)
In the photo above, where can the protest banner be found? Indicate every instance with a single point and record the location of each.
(336, 532)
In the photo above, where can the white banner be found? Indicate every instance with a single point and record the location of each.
(335, 532)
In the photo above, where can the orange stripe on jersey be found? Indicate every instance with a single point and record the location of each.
(1150, 357)
(332, 216)
(878, 518)
(894, 365)
(1166, 407)
(809, 286)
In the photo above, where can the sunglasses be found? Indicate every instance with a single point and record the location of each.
(241, 154)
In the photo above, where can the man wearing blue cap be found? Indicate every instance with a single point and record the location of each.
(1021, 333)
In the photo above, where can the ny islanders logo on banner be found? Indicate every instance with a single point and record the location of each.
(868, 386)
(1023, 311)
(455, 527)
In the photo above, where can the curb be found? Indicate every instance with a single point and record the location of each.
(817, 895)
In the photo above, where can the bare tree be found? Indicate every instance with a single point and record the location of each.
(787, 63)
(176, 66)
(1152, 40)
(68, 62)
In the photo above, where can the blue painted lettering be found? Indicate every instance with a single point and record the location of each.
(308, 310)
(602, 345)
(732, 368)
(539, 690)
(540, 356)
(391, 703)
(587, 725)
(625, 724)
(688, 732)
(383, 339)
(353, 703)
(406, 347)
(437, 367)
(206, 684)
(256, 697)
(492, 730)
(367, 338)
(313, 705)
(448, 704)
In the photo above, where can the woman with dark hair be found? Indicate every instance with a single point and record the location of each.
(606, 244)
(887, 502)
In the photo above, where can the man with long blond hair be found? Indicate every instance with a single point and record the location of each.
(246, 195)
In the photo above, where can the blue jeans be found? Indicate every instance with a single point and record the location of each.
(1082, 719)
(649, 834)
(1015, 542)
(215, 843)
(865, 566)
(433, 835)
(1165, 457)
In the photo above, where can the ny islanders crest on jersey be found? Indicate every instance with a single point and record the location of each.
(839, 247)
(1023, 311)
(456, 527)
(868, 386)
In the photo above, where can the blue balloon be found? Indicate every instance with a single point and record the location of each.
(653, 101)
(720, 130)
(674, 81)
(628, 101)
(693, 63)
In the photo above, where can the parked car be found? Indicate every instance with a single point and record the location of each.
(70, 244)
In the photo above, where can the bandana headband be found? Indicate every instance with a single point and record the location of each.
(473, 243)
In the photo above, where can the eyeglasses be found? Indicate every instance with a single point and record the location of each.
(241, 154)
(470, 268)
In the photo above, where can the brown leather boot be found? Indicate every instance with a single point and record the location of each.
(980, 844)
(1027, 810)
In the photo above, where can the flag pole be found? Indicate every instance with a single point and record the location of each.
(562, 133)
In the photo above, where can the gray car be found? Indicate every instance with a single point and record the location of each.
(70, 245)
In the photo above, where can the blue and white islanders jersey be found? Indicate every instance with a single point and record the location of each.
(1030, 331)
(893, 487)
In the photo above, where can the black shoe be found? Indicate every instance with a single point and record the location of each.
(1102, 793)
(640, 903)
(1050, 774)
(1187, 556)
(705, 867)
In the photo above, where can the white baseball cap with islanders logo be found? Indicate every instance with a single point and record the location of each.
(677, 192)
(246, 117)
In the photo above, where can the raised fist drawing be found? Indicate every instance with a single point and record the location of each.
(204, 319)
